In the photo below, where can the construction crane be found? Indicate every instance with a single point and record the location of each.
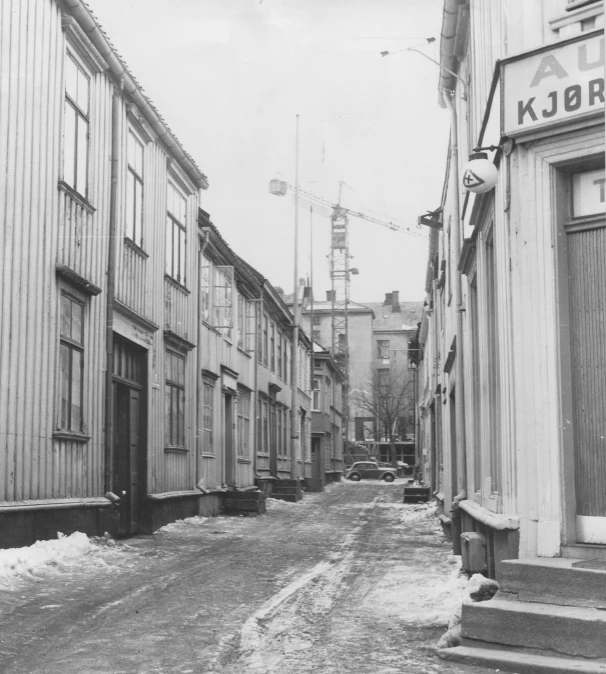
(340, 270)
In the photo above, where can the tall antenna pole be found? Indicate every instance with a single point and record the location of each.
(294, 377)
(311, 294)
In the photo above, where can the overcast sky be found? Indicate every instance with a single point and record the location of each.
(229, 77)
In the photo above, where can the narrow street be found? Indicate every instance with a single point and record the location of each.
(349, 580)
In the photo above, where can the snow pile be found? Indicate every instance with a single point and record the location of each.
(178, 525)
(418, 511)
(65, 552)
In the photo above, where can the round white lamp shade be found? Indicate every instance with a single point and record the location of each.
(480, 174)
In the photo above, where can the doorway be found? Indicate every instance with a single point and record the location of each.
(228, 416)
(129, 447)
(584, 278)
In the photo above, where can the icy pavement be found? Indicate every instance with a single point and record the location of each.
(347, 581)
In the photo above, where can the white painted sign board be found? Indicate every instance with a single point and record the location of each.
(553, 85)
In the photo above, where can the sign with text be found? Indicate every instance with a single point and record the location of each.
(588, 196)
(553, 85)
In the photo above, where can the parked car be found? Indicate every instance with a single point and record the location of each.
(369, 470)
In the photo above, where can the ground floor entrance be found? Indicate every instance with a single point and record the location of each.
(129, 446)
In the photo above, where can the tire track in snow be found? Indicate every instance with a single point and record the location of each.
(265, 636)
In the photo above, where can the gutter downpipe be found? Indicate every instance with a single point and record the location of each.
(461, 458)
(111, 289)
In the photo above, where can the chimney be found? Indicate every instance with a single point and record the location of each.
(330, 295)
(307, 292)
(279, 290)
(395, 301)
(387, 302)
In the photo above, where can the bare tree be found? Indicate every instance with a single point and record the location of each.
(388, 398)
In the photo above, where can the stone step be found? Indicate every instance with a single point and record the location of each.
(291, 498)
(288, 483)
(571, 582)
(281, 489)
(564, 630)
(521, 663)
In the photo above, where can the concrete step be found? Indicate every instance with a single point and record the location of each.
(521, 663)
(571, 582)
(565, 630)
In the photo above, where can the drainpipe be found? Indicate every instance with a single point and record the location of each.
(461, 458)
(111, 290)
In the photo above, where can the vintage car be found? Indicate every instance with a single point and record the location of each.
(370, 470)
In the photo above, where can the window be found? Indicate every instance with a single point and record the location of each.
(243, 424)
(241, 321)
(265, 427)
(328, 394)
(279, 356)
(134, 190)
(174, 400)
(208, 396)
(279, 433)
(317, 319)
(224, 319)
(265, 339)
(383, 378)
(206, 287)
(315, 401)
(317, 336)
(76, 127)
(175, 234)
(383, 345)
(71, 360)
(272, 348)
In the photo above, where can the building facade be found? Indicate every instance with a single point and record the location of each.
(327, 422)
(511, 395)
(131, 378)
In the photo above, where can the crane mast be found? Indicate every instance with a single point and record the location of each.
(339, 275)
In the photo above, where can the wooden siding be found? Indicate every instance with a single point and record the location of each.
(43, 227)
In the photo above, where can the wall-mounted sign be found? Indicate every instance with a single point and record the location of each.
(553, 85)
(588, 193)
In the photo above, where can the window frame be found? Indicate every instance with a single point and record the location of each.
(72, 105)
(243, 445)
(207, 417)
(73, 346)
(137, 179)
(174, 422)
(174, 225)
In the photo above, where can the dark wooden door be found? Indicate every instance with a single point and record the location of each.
(126, 455)
(273, 441)
(229, 441)
(316, 458)
(586, 253)
(129, 433)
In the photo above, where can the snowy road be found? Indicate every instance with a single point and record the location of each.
(348, 581)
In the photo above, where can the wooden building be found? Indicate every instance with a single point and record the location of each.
(326, 422)
(511, 384)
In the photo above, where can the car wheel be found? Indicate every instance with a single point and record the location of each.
(355, 477)
(388, 477)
